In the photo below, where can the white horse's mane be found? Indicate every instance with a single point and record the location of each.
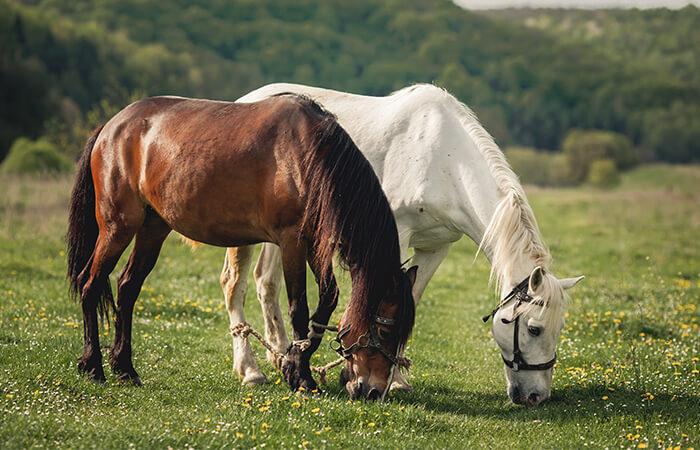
(513, 232)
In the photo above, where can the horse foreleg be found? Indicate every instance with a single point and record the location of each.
(234, 282)
(427, 261)
(327, 302)
(296, 366)
(268, 282)
(149, 240)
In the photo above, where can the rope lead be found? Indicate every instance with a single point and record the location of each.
(244, 330)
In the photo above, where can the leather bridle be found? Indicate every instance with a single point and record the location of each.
(371, 340)
(519, 295)
(368, 340)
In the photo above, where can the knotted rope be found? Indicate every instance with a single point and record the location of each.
(243, 330)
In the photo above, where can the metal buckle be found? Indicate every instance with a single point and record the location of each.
(384, 320)
(336, 345)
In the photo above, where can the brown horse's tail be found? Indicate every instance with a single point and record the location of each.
(82, 229)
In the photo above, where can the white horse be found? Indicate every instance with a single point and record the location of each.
(444, 177)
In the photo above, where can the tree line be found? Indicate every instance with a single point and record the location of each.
(64, 66)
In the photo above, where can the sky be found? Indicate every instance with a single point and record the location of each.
(588, 4)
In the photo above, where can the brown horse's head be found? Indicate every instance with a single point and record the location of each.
(372, 344)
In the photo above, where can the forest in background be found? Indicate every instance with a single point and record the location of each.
(531, 76)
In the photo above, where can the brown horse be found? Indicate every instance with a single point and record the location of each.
(282, 171)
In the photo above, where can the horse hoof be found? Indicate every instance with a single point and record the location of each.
(400, 386)
(309, 385)
(129, 378)
(92, 371)
(254, 379)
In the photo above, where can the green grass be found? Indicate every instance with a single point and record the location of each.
(627, 374)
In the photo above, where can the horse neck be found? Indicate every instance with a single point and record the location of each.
(490, 188)
(477, 215)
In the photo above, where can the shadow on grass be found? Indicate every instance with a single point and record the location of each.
(567, 404)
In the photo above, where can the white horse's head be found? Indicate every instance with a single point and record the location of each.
(537, 316)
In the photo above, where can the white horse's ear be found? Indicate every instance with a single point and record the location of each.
(536, 278)
(568, 283)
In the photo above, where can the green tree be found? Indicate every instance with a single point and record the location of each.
(603, 173)
(583, 147)
(39, 156)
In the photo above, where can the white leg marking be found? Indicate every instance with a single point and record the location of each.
(234, 282)
(268, 281)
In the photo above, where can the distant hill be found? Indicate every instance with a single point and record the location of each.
(661, 47)
(529, 79)
(660, 40)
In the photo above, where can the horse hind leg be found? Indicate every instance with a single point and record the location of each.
(109, 247)
(234, 282)
(149, 241)
(268, 283)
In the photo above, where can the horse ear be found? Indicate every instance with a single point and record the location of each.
(568, 283)
(411, 274)
(536, 278)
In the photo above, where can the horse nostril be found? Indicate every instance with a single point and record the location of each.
(373, 394)
(514, 394)
(534, 398)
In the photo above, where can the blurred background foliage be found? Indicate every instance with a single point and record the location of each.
(619, 86)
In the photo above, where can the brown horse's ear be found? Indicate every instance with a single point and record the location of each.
(411, 274)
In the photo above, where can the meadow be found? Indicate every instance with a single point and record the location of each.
(627, 377)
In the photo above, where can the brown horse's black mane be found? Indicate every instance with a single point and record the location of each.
(347, 213)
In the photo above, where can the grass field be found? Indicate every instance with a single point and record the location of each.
(628, 360)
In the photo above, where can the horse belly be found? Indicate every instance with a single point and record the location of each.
(224, 202)
(424, 226)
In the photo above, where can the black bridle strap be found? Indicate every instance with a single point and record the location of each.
(520, 289)
(518, 363)
(519, 293)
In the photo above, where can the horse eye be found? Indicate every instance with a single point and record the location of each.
(535, 331)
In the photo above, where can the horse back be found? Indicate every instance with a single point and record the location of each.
(210, 169)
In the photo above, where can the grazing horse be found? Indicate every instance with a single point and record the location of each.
(444, 177)
(281, 170)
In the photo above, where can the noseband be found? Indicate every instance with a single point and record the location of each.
(368, 340)
(519, 295)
